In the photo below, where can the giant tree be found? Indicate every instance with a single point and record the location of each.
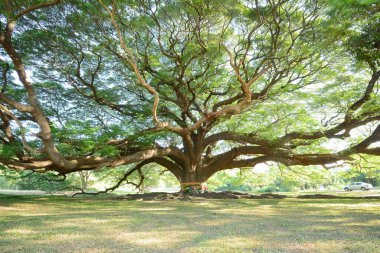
(193, 86)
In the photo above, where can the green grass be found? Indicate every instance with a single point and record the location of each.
(339, 193)
(60, 224)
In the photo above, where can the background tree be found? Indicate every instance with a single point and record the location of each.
(196, 87)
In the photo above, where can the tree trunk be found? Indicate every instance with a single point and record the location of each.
(193, 180)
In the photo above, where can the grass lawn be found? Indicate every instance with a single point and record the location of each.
(339, 193)
(61, 224)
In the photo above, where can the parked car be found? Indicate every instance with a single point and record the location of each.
(358, 186)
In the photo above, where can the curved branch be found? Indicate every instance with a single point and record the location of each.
(226, 160)
(348, 123)
(22, 129)
(93, 162)
(232, 136)
(147, 154)
(35, 7)
(232, 100)
(119, 182)
(367, 94)
(5, 79)
(362, 147)
(210, 170)
(130, 58)
(34, 107)
(159, 160)
(312, 159)
(172, 167)
(330, 133)
(19, 106)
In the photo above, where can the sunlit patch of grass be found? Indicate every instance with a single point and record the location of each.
(228, 244)
(19, 231)
(164, 239)
(59, 224)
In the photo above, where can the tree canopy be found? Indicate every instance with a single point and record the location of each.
(194, 86)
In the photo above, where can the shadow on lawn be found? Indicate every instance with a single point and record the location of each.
(42, 224)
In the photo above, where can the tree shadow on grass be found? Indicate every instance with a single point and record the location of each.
(83, 225)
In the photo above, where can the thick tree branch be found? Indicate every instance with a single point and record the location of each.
(94, 162)
(35, 7)
(362, 147)
(233, 136)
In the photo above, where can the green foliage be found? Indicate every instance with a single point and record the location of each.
(26, 180)
(351, 3)
(317, 54)
(226, 181)
(277, 179)
(46, 182)
(366, 169)
(366, 44)
(10, 150)
(154, 177)
(360, 20)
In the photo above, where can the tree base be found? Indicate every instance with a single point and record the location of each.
(194, 187)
